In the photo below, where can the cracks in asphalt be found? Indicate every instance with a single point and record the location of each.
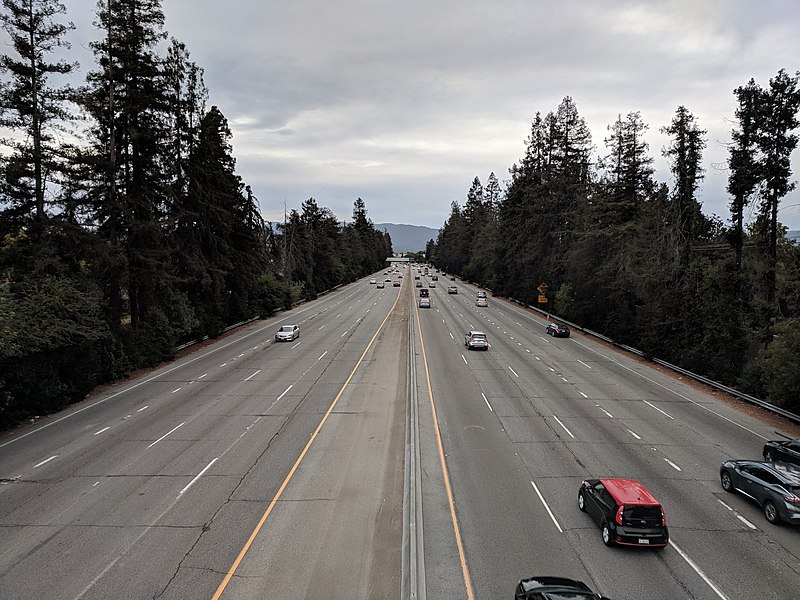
(207, 526)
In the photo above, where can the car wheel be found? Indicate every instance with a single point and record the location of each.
(768, 456)
(581, 501)
(607, 539)
(771, 513)
(725, 481)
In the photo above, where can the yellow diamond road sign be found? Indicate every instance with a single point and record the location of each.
(542, 288)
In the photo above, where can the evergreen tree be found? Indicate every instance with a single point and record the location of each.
(31, 107)
(684, 154)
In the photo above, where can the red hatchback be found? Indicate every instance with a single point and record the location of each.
(627, 513)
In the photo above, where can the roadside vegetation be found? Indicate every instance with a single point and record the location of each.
(635, 258)
(124, 228)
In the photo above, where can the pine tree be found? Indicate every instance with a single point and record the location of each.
(32, 108)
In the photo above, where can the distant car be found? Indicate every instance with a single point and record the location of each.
(396, 284)
(775, 486)
(627, 513)
(481, 302)
(476, 340)
(423, 293)
(784, 451)
(481, 294)
(416, 276)
(424, 302)
(558, 330)
(554, 588)
(380, 285)
(452, 279)
(452, 289)
(387, 279)
(432, 284)
(435, 277)
(418, 284)
(373, 280)
(287, 333)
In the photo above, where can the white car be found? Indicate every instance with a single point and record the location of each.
(476, 340)
(287, 333)
(481, 302)
(373, 280)
(481, 294)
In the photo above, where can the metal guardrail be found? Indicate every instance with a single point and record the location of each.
(714, 384)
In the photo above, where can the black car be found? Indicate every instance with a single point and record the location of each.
(558, 330)
(775, 486)
(554, 588)
(626, 512)
(784, 451)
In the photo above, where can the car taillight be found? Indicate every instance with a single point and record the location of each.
(619, 515)
(792, 498)
(663, 518)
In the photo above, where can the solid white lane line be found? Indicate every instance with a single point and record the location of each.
(465, 360)
(284, 392)
(175, 390)
(723, 504)
(102, 430)
(549, 512)
(253, 375)
(166, 434)
(198, 476)
(296, 345)
(143, 408)
(203, 375)
(746, 522)
(487, 402)
(672, 464)
(44, 462)
(582, 394)
(323, 354)
(564, 427)
(658, 409)
(584, 364)
(639, 437)
(514, 372)
(697, 570)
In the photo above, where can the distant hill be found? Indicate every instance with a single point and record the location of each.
(794, 235)
(408, 238)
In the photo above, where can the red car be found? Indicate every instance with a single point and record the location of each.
(627, 513)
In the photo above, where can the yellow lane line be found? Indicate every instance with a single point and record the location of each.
(448, 489)
(288, 478)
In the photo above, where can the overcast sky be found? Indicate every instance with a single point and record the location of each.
(404, 102)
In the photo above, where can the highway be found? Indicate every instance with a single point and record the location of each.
(376, 457)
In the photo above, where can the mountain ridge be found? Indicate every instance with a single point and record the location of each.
(408, 238)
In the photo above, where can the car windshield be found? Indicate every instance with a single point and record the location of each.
(286, 328)
(478, 336)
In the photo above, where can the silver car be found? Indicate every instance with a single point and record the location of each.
(476, 340)
(287, 333)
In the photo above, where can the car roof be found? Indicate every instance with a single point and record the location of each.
(629, 491)
(534, 583)
(477, 333)
(787, 471)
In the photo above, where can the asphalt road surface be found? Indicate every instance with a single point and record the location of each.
(376, 457)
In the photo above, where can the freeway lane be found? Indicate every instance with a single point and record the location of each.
(136, 483)
(572, 409)
(156, 488)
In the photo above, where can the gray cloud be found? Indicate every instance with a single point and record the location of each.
(403, 102)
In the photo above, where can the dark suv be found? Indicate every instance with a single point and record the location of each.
(554, 588)
(626, 512)
(775, 486)
(784, 451)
